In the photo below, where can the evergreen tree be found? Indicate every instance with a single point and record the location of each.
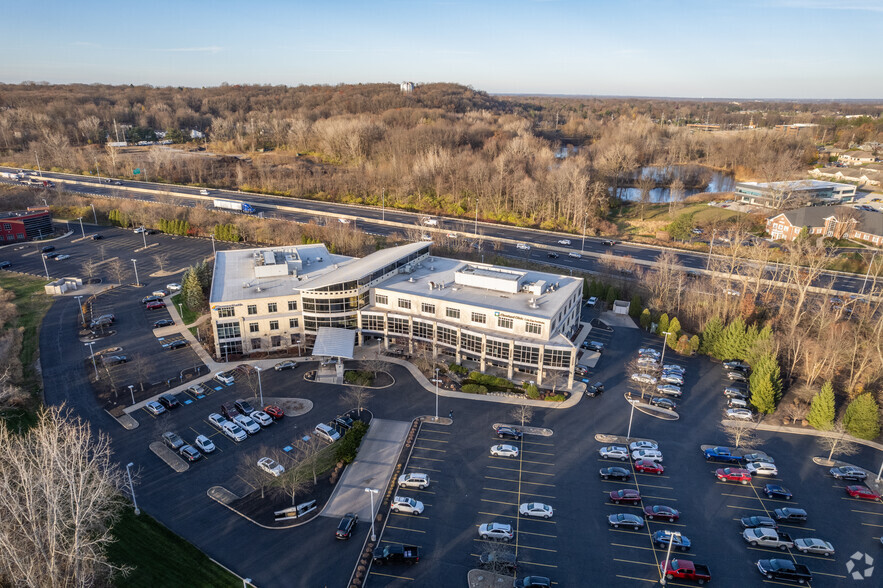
(635, 307)
(586, 293)
(710, 336)
(766, 384)
(732, 342)
(645, 319)
(674, 327)
(822, 411)
(694, 344)
(862, 418)
(612, 295)
(662, 325)
(191, 290)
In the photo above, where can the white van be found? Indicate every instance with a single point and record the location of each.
(431, 222)
(323, 431)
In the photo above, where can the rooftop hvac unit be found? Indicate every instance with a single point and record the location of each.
(533, 303)
(258, 289)
(411, 279)
(432, 268)
(430, 259)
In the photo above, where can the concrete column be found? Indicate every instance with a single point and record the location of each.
(573, 355)
(540, 366)
(457, 355)
(386, 331)
(410, 335)
(481, 362)
(510, 373)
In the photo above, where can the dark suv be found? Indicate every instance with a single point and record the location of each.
(595, 389)
(228, 409)
(48, 248)
(508, 433)
(169, 401)
(347, 525)
(244, 407)
(172, 440)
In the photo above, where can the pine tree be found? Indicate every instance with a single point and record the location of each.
(674, 327)
(822, 411)
(612, 295)
(191, 290)
(635, 307)
(662, 325)
(710, 336)
(586, 293)
(862, 418)
(732, 343)
(645, 319)
(694, 344)
(766, 384)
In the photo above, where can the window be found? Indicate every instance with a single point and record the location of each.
(226, 311)
(292, 305)
(404, 303)
(478, 317)
(274, 325)
(7, 227)
(372, 322)
(399, 326)
(471, 342)
(255, 343)
(447, 335)
(272, 307)
(228, 347)
(252, 309)
(253, 327)
(526, 354)
(498, 349)
(422, 330)
(381, 299)
(338, 322)
(504, 322)
(533, 327)
(295, 339)
(427, 308)
(556, 357)
(453, 313)
(228, 330)
(293, 323)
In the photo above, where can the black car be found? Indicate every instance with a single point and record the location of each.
(553, 255)
(172, 440)
(243, 406)
(151, 298)
(533, 582)
(615, 472)
(285, 365)
(609, 242)
(790, 515)
(595, 389)
(96, 237)
(114, 359)
(758, 521)
(347, 525)
(169, 401)
(163, 323)
(737, 366)
(4, 264)
(736, 377)
(229, 410)
(504, 561)
(51, 254)
(176, 344)
(849, 473)
(344, 421)
(731, 392)
(508, 433)
(666, 403)
(190, 453)
(48, 248)
(592, 346)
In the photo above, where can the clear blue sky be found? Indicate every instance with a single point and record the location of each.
(712, 48)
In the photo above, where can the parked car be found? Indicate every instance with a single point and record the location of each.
(552, 255)
(627, 495)
(224, 378)
(114, 359)
(326, 432)
(406, 504)
(643, 378)
(169, 401)
(155, 305)
(737, 365)
(574, 255)
(217, 420)
(536, 509)
(849, 473)
(155, 408)
(176, 344)
(274, 411)
(740, 475)
(813, 545)
(172, 440)
(498, 531)
(648, 454)
(594, 389)
(674, 368)
(672, 378)
(173, 287)
(758, 456)
(636, 445)
(285, 365)
(62, 257)
(592, 301)
(247, 423)
(343, 422)
(649, 352)
(670, 390)
(564, 241)
(659, 511)
(346, 526)
(151, 298)
(504, 451)
(593, 346)
(581, 370)
(228, 409)
(261, 418)
(740, 414)
(204, 444)
(648, 466)
(760, 468)
(160, 293)
(504, 432)
(735, 376)
(664, 538)
(614, 452)
(615, 473)
(666, 403)
(790, 515)
(414, 480)
(758, 521)
(784, 569)
(777, 491)
(731, 392)
(532, 582)
(271, 466)
(863, 492)
(163, 323)
(4, 264)
(234, 431)
(625, 520)
(243, 406)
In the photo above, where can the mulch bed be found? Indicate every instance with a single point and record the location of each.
(261, 510)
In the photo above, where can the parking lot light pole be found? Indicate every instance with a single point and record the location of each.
(213, 245)
(132, 392)
(436, 393)
(880, 472)
(92, 355)
(246, 582)
(135, 265)
(46, 269)
(371, 492)
(664, 344)
(82, 230)
(628, 435)
(585, 222)
(260, 388)
(144, 235)
(867, 273)
(671, 538)
(80, 304)
(132, 488)
(94, 214)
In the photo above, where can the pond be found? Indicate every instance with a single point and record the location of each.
(697, 179)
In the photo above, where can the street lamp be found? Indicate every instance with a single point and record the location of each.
(371, 492)
(132, 392)
(94, 214)
(628, 435)
(436, 393)
(80, 303)
(476, 217)
(260, 388)
(710, 247)
(213, 244)
(867, 273)
(135, 265)
(82, 230)
(92, 355)
(585, 222)
(132, 488)
(44, 202)
(246, 582)
(664, 344)
(46, 269)
(383, 204)
(144, 235)
(671, 538)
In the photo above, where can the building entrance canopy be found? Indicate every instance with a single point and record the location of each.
(332, 342)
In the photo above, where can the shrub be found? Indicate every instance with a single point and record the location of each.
(347, 447)
(555, 398)
(862, 418)
(474, 389)
(359, 378)
(645, 319)
(458, 369)
(490, 381)
(531, 391)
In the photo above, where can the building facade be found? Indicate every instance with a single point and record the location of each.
(515, 320)
(25, 225)
(793, 193)
(839, 222)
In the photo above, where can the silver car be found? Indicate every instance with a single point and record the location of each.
(812, 545)
(643, 378)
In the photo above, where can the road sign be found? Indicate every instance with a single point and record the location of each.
(136, 171)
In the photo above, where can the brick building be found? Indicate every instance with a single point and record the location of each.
(830, 221)
(24, 225)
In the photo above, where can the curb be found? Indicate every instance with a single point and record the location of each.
(247, 518)
(815, 433)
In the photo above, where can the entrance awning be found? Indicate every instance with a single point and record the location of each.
(332, 342)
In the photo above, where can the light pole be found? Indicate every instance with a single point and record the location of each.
(880, 472)
(867, 273)
(82, 230)
(181, 313)
(383, 204)
(436, 393)
(213, 244)
(710, 247)
(371, 492)
(46, 269)
(94, 214)
(476, 217)
(135, 265)
(44, 202)
(664, 344)
(144, 235)
(246, 582)
(132, 488)
(585, 222)
(628, 435)
(260, 388)
(80, 303)
(132, 392)
(671, 538)
(37, 155)
(92, 355)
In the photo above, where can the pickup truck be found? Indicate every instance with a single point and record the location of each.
(722, 454)
(396, 553)
(784, 569)
(684, 569)
(766, 537)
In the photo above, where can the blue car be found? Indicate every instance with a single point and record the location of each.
(722, 454)
(679, 541)
(777, 491)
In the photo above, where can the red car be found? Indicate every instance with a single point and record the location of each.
(661, 512)
(155, 305)
(859, 491)
(274, 411)
(648, 466)
(625, 495)
(733, 475)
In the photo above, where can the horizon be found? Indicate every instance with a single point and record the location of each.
(692, 50)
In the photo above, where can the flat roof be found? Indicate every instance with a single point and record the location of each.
(441, 271)
(356, 268)
(796, 185)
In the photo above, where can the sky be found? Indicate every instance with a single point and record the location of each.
(796, 49)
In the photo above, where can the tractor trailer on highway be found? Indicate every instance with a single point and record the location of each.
(234, 205)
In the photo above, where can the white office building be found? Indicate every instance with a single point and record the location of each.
(271, 299)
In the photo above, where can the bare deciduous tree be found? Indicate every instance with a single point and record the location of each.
(118, 270)
(89, 267)
(741, 433)
(522, 413)
(161, 260)
(357, 396)
(837, 442)
(249, 471)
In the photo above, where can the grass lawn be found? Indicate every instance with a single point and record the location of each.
(190, 316)
(161, 558)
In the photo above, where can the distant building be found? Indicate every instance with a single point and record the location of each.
(791, 193)
(407, 87)
(703, 127)
(830, 221)
(857, 157)
(860, 175)
(194, 134)
(796, 128)
(24, 225)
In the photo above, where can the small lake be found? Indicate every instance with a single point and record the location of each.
(698, 178)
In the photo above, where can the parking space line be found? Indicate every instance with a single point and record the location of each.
(538, 443)
(824, 574)
(626, 531)
(421, 491)
(515, 470)
(538, 534)
(373, 573)
(623, 505)
(536, 563)
(516, 492)
(404, 514)
(879, 514)
(508, 480)
(654, 486)
(496, 514)
(634, 578)
(430, 449)
(422, 469)
(405, 529)
(872, 525)
(432, 440)
(655, 476)
(661, 498)
(640, 563)
(434, 431)
(532, 452)
(538, 548)
(426, 458)
(498, 502)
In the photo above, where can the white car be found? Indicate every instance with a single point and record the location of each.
(452, 235)
(614, 452)
(204, 192)
(740, 414)
(636, 445)
(62, 257)
(262, 418)
(406, 504)
(204, 444)
(247, 423)
(574, 255)
(173, 287)
(496, 531)
(271, 466)
(234, 431)
(504, 451)
(648, 454)
(592, 301)
(647, 361)
(811, 545)
(670, 390)
(217, 420)
(343, 221)
(524, 246)
(536, 509)
(224, 378)
(564, 241)
(650, 352)
(414, 480)
(643, 378)
(675, 368)
(327, 433)
(759, 468)
(155, 408)
(140, 230)
(736, 403)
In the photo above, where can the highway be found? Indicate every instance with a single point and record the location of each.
(384, 221)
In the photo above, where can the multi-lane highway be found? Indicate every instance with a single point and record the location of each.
(384, 221)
